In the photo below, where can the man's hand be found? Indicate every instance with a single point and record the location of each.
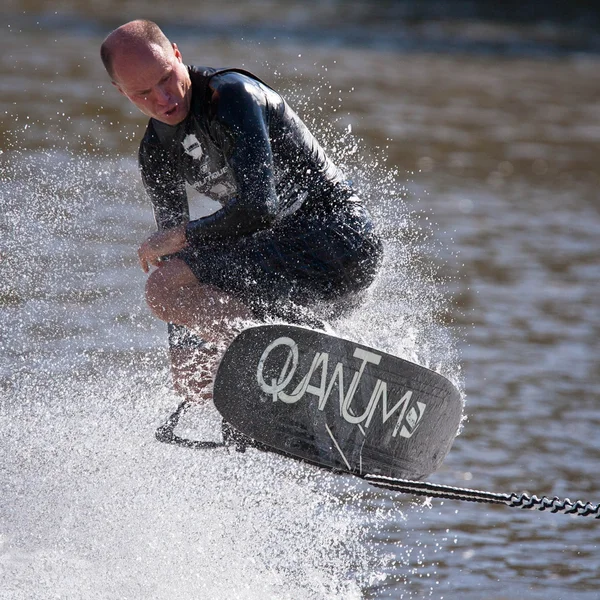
(161, 243)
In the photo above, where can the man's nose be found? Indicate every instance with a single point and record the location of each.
(162, 95)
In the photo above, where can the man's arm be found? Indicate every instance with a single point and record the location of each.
(166, 190)
(163, 184)
(240, 127)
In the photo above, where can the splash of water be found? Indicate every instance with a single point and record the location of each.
(409, 306)
(94, 507)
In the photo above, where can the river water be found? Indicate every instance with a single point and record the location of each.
(474, 140)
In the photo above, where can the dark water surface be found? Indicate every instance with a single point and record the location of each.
(475, 142)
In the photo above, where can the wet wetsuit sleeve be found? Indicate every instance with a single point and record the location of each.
(164, 186)
(240, 128)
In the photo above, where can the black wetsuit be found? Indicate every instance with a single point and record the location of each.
(290, 232)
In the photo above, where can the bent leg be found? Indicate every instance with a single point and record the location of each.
(174, 295)
(193, 369)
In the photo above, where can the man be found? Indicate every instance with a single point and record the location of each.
(291, 240)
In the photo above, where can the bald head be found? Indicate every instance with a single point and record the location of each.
(139, 36)
(148, 70)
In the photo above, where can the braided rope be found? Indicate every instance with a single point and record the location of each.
(434, 490)
(555, 505)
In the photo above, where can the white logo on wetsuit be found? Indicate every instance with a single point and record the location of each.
(192, 146)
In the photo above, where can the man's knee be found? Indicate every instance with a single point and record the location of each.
(164, 286)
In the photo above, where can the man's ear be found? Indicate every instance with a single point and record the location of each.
(177, 52)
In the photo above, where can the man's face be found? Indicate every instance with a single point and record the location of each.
(156, 81)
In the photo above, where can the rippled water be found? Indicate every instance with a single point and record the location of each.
(474, 142)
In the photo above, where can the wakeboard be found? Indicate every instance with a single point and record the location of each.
(345, 407)
(336, 403)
